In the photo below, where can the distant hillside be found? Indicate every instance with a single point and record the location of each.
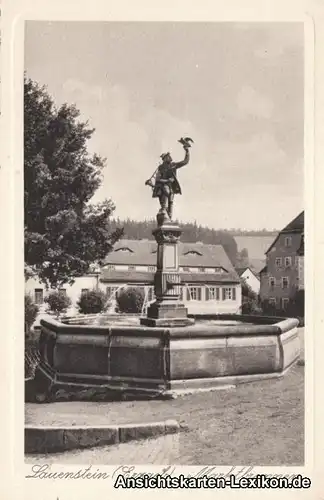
(256, 232)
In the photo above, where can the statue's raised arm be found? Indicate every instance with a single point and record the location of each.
(186, 142)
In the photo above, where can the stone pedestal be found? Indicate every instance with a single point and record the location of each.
(167, 310)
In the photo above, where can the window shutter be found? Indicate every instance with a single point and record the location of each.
(234, 293)
(217, 293)
(224, 293)
(188, 294)
(199, 293)
(207, 293)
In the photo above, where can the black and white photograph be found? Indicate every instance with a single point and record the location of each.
(164, 243)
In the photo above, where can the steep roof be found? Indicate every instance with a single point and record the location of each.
(295, 226)
(241, 270)
(143, 252)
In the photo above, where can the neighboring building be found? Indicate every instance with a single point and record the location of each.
(250, 278)
(283, 274)
(209, 281)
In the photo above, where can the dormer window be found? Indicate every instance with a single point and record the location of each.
(124, 249)
(193, 252)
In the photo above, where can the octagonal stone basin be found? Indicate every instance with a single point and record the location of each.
(118, 354)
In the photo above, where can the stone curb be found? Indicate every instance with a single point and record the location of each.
(41, 439)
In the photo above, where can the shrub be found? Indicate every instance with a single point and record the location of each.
(58, 302)
(31, 311)
(130, 300)
(92, 302)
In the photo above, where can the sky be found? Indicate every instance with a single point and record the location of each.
(235, 88)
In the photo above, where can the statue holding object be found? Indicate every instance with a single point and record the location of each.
(164, 182)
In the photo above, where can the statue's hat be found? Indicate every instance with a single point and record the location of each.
(164, 155)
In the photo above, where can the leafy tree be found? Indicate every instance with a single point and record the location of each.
(250, 300)
(130, 300)
(243, 258)
(31, 311)
(64, 232)
(92, 302)
(58, 302)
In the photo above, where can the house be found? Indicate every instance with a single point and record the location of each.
(251, 278)
(283, 274)
(210, 283)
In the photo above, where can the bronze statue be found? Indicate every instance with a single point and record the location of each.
(164, 181)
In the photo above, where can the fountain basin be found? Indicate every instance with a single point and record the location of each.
(218, 350)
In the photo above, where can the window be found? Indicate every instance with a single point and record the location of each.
(218, 270)
(186, 269)
(111, 267)
(84, 290)
(288, 241)
(151, 269)
(284, 303)
(273, 301)
(287, 261)
(201, 269)
(194, 293)
(229, 293)
(131, 268)
(212, 293)
(39, 296)
(278, 261)
(62, 291)
(285, 283)
(272, 282)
